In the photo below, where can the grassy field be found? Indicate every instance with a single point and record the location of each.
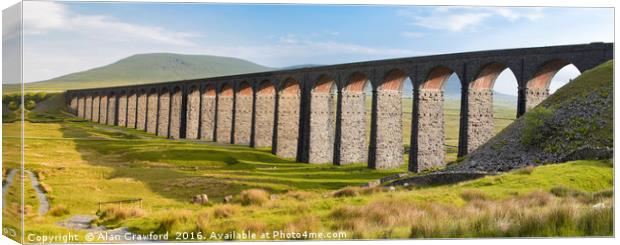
(83, 164)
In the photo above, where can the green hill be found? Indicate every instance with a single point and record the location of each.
(148, 68)
(574, 123)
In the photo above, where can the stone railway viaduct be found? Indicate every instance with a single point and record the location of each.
(297, 114)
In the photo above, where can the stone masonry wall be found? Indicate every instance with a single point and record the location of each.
(265, 113)
(429, 150)
(479, 118)
(321, 142)
(81, 107)
(353, 147)
(163, 116)
(224, 119)
(111, 110)
(103, 109)
(207, 121)
(122, 110)
(151, 116)
(533, 97)
(73, 105)
(95, 114)
(389, 131)
(175, 115)
(141, 113)
(193, 115)
(243, 119)
(131, 111)
(88, 110)
(288, 126)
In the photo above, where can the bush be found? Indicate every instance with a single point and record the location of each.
(13, 106)
(30, 104)
(59, 210)
(534, 131)
(253, 197)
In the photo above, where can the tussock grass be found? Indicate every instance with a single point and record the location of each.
(225, 210)
(306, 223)
(348, 191)
(58, 210)
(254, 197)
(531, 215)
(473, 195)
(115, 213)
(168, 221)
(203, 222)
(525, 170)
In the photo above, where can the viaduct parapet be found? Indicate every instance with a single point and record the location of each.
(318, 114)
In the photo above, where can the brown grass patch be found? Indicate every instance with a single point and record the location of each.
(254, 197)
(59, 210)
(121, 213)
(471, 195)
(225, 211)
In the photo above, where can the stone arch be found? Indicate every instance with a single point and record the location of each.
(436, 78)
(152, 111)
(351, 128)
(265, 114)
(289, 106)
(322, 128)
(193, 112)
(225, 106)
(176, 112)
(356, 82)
(537, 87)
(386, 142)
(132, 104)
(478, 119)
(393, 80)
(163, 113)
(428, 140)
(207, 111)
(243, 114)
(121, 118)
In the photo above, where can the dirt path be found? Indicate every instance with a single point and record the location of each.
(6, 185)
(83, 222)
(44, 204)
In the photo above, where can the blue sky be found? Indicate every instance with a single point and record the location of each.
(60, 38)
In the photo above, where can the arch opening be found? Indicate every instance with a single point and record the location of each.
(539, 87)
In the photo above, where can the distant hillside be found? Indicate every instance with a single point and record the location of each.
(149, 68)
(574, 123)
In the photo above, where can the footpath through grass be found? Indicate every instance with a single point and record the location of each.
(83, 164)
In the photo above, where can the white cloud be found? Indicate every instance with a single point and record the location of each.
(43, 17)
(465, 18)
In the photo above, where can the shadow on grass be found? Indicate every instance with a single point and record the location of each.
(180, 169)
